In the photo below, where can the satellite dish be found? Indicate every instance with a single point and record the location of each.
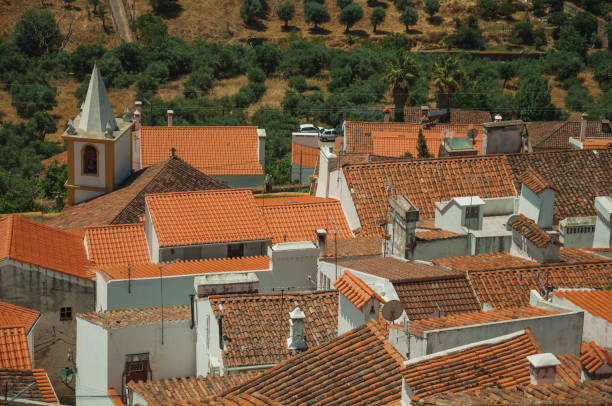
(510, 220)
(392, 310)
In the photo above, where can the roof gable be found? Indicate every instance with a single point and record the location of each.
(356, 290)
(13, 315)
(117, 244)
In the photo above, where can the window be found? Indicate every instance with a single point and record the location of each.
(90, 160)
(235, 250)
(65, 313)
(471, 212)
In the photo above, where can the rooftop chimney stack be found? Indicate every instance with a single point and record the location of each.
(170, 114)
(542, 368)
(296, 340)
(498, 118)
(387, 114)
(583, 126)
(322, 240)
(137, 115)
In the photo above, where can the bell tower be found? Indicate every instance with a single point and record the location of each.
(98, 145)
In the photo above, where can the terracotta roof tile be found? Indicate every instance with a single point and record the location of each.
(500, 362)
(534, 181)
(243, 399)
(397, 143)
(457, 116)
(202, 217)
(308, 155)
(359, 139)
(533, 232)
(37, 244)
(13, 315)
(570, 369)
(14, 350)
(594, 357)
(596, 302)
(358, 368)
(596, 143)
(117, 244)
(353, 247)
(355, 290)
(425, 182)
(257, 325)
(397, 270)
(212, 150)
(418, 327)
(189, 389)
(556, 135)
(293, 220)
(505, 288)
(114, 396)
(290, 200)
(432, 235)
(126, 204)
(20, 381)
(493, 260)
(193, 267)
(133, 317)
(592, 393)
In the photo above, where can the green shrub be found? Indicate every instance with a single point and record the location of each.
(256, 75)
(298, 83)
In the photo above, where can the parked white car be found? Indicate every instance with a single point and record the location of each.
(309, 128)
(328, 134)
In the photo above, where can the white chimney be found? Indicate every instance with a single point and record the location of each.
(322, 240)
(137, 115)
(542, 368)
(603, 231)
(170, 114)
(498, 118)
(583, 126)
(296, 340)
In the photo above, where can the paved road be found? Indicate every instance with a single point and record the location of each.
(120, 17)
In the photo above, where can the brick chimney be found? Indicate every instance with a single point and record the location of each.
(296, 340)
(542, 368)
(583, 126)
(170, 114)
(137, 115)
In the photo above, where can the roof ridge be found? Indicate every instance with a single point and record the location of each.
(103, 226)
(198, 192)
(264, 296)
(199, 126)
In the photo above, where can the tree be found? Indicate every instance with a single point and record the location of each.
(446, 75)
(488, 9)
(350, 15)
(467, 34)
(33, 97)
(250, 11)
(68, 3)
(407, 154)
(522, 33)
(402, 4)
(377, 17)
(409, 17)
(41, 124)
(570, 40)
(52, 183)
(432, 7)
(315, 13)
(268, 57)
(150, 28)
(423, 151)
(539, 8)
(343, 3)
(401, 75)
(507, 70)
(507, 8)
(37, 33)
(533, 100)
(164, 6)
(285, 12)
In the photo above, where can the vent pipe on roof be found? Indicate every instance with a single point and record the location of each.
(170, 114)
(296, 340)
(583, 126)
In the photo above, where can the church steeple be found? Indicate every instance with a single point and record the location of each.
(96, 111)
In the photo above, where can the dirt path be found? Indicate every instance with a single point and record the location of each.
(121, 20)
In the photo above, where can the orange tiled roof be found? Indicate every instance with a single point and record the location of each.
(498, 362)
(556, 134)
(133, 317)
(431, 235)
(31, 384)
(354, 247)
(212, 150)
(188, 267)
(260, 323)
(126, 204)
(13, 315)
(534, 181)
(570, 369)
(291, 200)
(294, 220)
(397, 270)
(358, 368)
(531, 231)
(37, 244)
(355, 290)
(188, 389)
(243, 399)
(418, 327)
(204, 217)
(425, 182)
(359, 139)
(596, 143)
(594, 357)
(117, 244)
(14, 350)
(114, 397)
(308, 155)
(592, 393)
(505, 288)
(396, 144)
(596, 302)
(457, 116)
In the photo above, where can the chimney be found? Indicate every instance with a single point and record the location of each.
(583, 126)
(402, 229)
(387, 114)
(322, 240)
(603, 230)
(498, 118)
(542, 368)
(137, 115)
(296, 340)
(170, 114)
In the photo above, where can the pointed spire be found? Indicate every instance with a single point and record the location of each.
(96, 111)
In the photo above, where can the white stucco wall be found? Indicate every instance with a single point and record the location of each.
(539, 208)
(101, 293)
(146, 292)
(338, 189)
(91, 378)
(449, 218)
(595, 328)
(89, 180)
(208, 352)
(123, 165)
(349, 316)
(151, 236)
(294, 267)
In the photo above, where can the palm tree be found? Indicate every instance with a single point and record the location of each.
(402, 75)
(446, 75)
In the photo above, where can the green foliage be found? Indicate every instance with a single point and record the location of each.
(396, 42)
(578, 98)
(533, 101)
(201, 79)
(401, 5)
(304, 58)
(37, 33)
(315, 13)
(165, 7)
(41, 124)
(467, 35)
(343, 3)
(409, 17)
(555, 5)
(563, 64)
(506, 8)
(83, 59)
(52, 183)
(285, 12)
(423, 151)
(150, 28)
(522, 33)
(226, 61)
(350, 15)
(539, 8)
(251, 10)
(446, 75)
(402, 74)
(30, 98)
(256, 75)
(174, 52)
(584, 23)
(298, 83)
(341, 77)
(290, 101)
(377, 17)
(110, 67)
(268, 57)
(432, 7)
(602, 109)
(130, 56)
(488, 9)
(571, 41)
(407, 154)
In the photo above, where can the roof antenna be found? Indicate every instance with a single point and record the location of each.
(173, 151)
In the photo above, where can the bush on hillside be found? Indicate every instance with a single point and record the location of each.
(37, 33)
(350, 15)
